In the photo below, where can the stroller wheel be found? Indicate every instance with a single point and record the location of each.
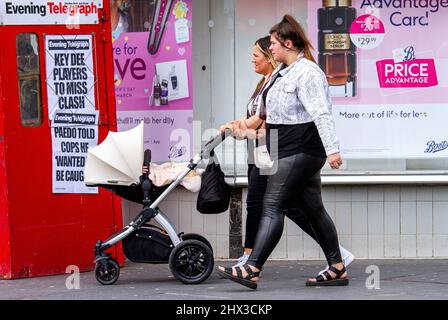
(191, 262)
(107, 272)
(194, 236)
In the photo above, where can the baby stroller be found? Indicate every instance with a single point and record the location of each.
(190, 256)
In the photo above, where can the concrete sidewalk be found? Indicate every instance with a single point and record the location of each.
(281, 280)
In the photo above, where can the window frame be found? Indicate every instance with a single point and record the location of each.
(30, 76)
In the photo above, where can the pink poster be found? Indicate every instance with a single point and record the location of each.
(153, 73)
(387, 66)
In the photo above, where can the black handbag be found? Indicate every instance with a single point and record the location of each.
(214, 195)
(149, 244)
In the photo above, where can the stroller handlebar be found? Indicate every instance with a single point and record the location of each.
(213, 143)
(147, 161)
(144, 178)
(147, 157)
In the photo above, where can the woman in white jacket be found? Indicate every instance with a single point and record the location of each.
(298, 106)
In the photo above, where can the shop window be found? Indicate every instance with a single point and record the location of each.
(383, 130)
(29, 79)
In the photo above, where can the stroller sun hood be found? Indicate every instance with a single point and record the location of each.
(117, 160)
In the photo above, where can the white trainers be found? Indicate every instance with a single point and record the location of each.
(347, 258)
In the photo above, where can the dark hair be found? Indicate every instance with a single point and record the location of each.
(263, 45)
(290, 29)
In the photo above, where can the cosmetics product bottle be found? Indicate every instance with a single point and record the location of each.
(164, 93)
(182, 31)
(173, 79)
(157, 90)
(337, 53)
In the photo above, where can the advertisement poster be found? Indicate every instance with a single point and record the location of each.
(70, 75)
(153, 73)
(71, 109)
(387, 66)
(69, 153)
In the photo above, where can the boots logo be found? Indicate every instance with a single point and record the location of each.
(433, 147)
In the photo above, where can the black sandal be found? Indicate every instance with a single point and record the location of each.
(326, 280)
(245, 281)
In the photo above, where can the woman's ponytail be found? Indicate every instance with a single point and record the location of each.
(290, 29)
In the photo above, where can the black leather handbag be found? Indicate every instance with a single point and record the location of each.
(214, 195)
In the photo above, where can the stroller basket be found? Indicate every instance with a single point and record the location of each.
(148, 244)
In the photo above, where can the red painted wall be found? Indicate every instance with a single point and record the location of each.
(42, 233)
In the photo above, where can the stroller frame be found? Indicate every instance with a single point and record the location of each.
(107, 269)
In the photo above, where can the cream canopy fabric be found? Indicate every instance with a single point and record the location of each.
(118, 160)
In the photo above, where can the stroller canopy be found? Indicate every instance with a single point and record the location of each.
(117, 160)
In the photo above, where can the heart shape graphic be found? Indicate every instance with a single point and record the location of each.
(181, 51)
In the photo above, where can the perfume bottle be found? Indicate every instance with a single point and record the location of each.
(173, 78)
(157, 90)
(337, 53)
(164, 93)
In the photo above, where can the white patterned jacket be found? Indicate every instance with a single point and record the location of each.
(300, 95)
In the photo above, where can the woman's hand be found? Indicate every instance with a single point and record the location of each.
(229, 125)
(224, 127)
(239, 129)
(335, 160)
(235, 126)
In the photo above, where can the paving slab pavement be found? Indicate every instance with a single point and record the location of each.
(281, 280)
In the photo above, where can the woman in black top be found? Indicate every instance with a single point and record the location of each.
(298, 108)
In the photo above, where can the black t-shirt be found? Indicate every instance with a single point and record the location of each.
(294, 139)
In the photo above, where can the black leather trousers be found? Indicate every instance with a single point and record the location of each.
(254, 207)
(295, 183)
